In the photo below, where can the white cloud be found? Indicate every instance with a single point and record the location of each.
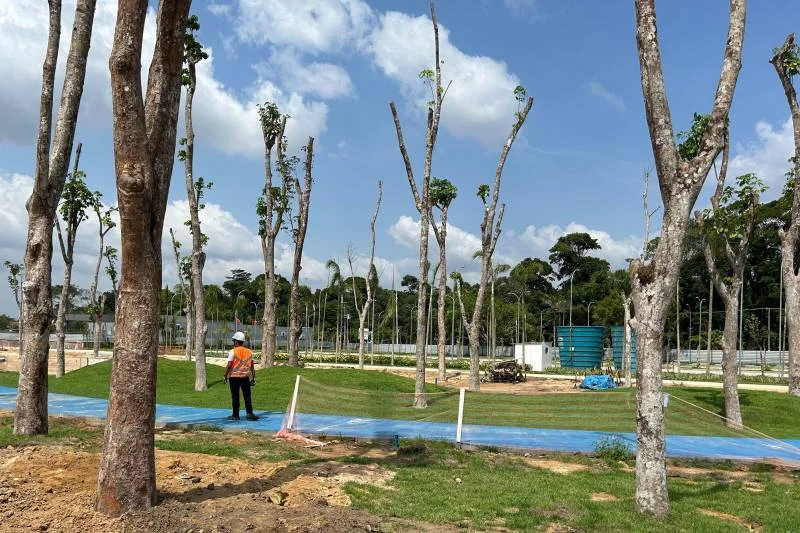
(480, 103)
(613, 99)
(312, 26)
(521, 5)
(325, 80)
(23, 35)
(220, 10)
(767, 156)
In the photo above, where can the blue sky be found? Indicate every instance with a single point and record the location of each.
(336, 64)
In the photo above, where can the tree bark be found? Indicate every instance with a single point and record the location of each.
(730, 362)
(196, 323)
(144, 150)
(789, 236)
(304, 202)
(97, 306)
(441, 306)
(654, 282)
(30, 415)
(626, 348)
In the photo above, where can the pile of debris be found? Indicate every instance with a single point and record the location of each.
(505, 372)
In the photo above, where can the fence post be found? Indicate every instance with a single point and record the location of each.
(460, 414)
(294, 403)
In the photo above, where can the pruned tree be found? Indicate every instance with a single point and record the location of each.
(727, 228)
(490, 232)
(76, 198)
(442, 193)
(422, 199)
(299, 227)
(15, 271)
(192, 54)
(144, 150)
(653, 281)
(336, 281)
(786, 61)
(183, 269)
(105, 223)
(111, 268)
(271, 208)
(52, 165)
(363, 310)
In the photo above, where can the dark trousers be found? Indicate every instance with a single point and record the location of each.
(244, 384)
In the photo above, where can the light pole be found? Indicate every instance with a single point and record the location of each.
(236, 311)
(588, 311)
(690, 333)
(570, 295)
(516, 330)
(700, 327)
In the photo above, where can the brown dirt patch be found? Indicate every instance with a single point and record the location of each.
(458, 378)
(732, 518)
(691, 471)
(50, 488)
(603, 497)
(73, 360)
(558, 467)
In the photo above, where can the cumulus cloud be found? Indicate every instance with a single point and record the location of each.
(324, 80)
(613, 99)
(480, 103)
(538, 241)
(767, 156)
(313, 26)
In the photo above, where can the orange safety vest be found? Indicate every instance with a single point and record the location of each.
(242, 361)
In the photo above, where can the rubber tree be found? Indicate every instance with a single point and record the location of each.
(442, 193)
(786, 61)
(105, 223)
(271, 207)
(144, 152)
(490, 232)
(50, 173)
(363, 310)
(422, 199)
(653, 281)
(192, 55)
(76, 199)
(727, 228)
(299, 228)
(15, 271)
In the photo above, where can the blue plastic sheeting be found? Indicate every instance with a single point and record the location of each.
(563, 440)
(598, 382)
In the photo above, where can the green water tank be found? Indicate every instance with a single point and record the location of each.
(581, 346)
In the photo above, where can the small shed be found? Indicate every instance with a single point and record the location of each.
(536, 355)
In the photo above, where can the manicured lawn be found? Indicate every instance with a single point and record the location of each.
(384, 395)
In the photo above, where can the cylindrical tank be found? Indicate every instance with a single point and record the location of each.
(617, 344)
(581, 346)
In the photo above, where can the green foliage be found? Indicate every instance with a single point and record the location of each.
(110, 253)
(613, 449)
(692, 138)
(790, 58)
(442, 192)
(192, 51)
(76, 199)
(483, 192)
(733, 216)
(14, 272)
(570, 253)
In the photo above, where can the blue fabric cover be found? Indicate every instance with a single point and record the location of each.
(598, 382)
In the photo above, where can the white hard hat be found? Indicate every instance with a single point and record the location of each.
(238, 336)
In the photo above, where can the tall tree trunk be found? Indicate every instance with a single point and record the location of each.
(98, 325)
(303, 200)
(61, 320)
(97, 305)
(441, 306)
(730, 362)
(269, 326)
(789, 236)
(30, 415)
(626, 347)
(710, 323)
(144, 150)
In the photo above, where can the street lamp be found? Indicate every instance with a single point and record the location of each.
(570, 295)
(700, 326)
(516, 330)
(588, 311)
(236, 311)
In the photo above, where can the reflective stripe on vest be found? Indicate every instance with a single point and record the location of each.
(240, 366)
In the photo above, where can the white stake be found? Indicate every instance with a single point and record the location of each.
(460, 414)
(294, 403)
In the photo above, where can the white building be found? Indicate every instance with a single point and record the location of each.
(536, 355)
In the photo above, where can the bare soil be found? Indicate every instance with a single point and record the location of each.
(459, 378)
(73, 360)
(52, 488)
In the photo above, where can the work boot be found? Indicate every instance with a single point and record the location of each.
(251, 416)
(233, 417)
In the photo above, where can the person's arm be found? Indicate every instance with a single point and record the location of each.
(229, 366)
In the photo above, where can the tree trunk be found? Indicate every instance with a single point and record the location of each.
(626, 349)
(422, 312)
(269, 326)
(30, 415)
(61, 320)
(441, 306)
(730, 362)
(144, 150)
(792, 291)
(710, 323)
(98, 325)
(188, 337)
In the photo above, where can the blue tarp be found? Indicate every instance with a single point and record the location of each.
(598, 382)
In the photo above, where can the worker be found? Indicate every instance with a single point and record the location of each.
(240, 373)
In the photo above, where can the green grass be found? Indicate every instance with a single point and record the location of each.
(243, 446)
(498, 490)
(62, 431)
(380, 394)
